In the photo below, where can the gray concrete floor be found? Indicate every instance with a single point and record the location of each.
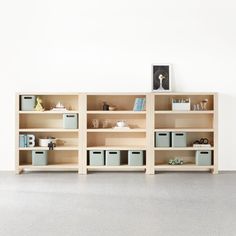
(117, 204)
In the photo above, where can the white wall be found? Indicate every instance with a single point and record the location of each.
(53, 45)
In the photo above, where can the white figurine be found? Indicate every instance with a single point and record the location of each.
(161, 77)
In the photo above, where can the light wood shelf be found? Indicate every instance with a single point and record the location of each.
(71, 153)
(116, 168)
(48, 112)
(62, 148)
(185, 167)
(116, 130)
(197, 125)
(184, 112)
(117, 112)
(54, 167)
(183, 130)
(182, 148)
(48, 130)
(64, 157)
(117, 148)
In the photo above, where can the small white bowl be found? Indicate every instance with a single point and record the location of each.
(112, 108)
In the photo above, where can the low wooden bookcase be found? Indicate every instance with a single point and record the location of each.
(71, 154)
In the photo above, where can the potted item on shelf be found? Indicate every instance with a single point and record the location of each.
(182, 104)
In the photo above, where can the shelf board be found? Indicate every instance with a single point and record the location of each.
(185, 112)
(116, 112)
(62, 148)
(48, 130)
(185, 93)
(110, 130)
(185, 167)
(52, 167)
(182, 148)
(116, 168)
(117, 148)
(47, 112)
(183, 130)
(51, 93)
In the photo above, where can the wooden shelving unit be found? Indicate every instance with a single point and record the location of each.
(66, 155)
(109, 138)
(197, 124)
(71, 153)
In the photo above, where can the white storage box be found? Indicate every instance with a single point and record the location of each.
(181, 104)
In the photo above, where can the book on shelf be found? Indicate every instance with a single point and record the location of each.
(139, 104)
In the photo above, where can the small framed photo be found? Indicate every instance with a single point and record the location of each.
(161, 77)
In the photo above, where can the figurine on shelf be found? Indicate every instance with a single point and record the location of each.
(39, 106)
(176, 161)
(51, 145)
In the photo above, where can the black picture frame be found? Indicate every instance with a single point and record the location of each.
(161, 77)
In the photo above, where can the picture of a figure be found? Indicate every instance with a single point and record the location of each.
(161, 78)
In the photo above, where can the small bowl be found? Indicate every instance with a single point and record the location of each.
(112, 108)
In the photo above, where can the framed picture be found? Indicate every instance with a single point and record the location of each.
(161, 78)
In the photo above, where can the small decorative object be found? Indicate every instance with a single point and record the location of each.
(204, 104)
(203, 142)
(95, 123)
(105, 106)
(112, 108)
(39, 106)
(44, 142)
(27, 140)
(176, 161)
(105, 124)
(59, 107)
(121, 124)
(139, 104)
(182, 104)
(51, 145)
(161, 78)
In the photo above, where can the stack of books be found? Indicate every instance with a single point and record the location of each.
(140, 104)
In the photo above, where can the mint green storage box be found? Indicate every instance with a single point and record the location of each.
(70, 121)
(112, 158)
(40, 158)
(203, 158)
(162, 139)
(135, 158)
(27, 102)
(96, 158)
(178, 139)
